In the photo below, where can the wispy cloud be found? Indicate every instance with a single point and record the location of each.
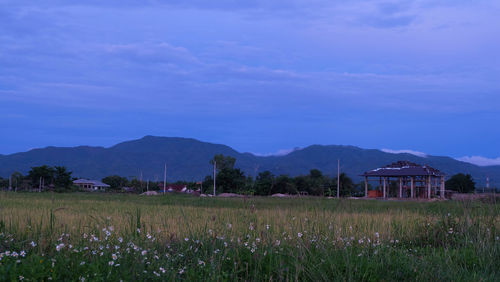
(416, 153)
(282, 152)
(305, 68)
(480, 161)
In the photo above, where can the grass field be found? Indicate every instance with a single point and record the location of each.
(96, 237)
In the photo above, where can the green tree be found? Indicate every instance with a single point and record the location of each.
(285, 185)
(462, 183)
(230, 180)
(137, 185)
(62, 177)
(264, 183)
(44, 173)
(346, 185)
(116, 182)
(302, 183)
(17, 179)
(317, 182)
(208, 185)
(4, 183)
(223, 162)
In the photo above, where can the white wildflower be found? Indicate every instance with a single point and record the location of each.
(33, 244)
(299, 235)
(111, 262)
(59, 247)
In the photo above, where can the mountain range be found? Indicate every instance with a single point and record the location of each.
(188, 159)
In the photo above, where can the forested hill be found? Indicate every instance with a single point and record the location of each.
(188, 159)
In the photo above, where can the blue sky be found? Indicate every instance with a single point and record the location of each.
(260, 76)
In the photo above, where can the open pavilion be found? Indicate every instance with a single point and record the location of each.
(414, 181)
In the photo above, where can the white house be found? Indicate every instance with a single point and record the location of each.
(93, 185)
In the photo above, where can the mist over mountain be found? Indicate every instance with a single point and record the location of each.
(188, 159)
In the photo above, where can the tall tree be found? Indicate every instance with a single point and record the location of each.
(62, 177)
(230, 180)
(223, 162)
(17, 179)
(317, 181)
(346, 185)
(264, 183)
(462, 183)
(44, 172)
(284, 184)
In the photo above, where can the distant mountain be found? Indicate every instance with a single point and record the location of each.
(188, 159)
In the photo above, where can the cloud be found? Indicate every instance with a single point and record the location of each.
(144, 52)
(416, 153)
(480, 161)
(282, 152)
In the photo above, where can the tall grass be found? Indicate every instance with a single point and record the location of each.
(129, 237)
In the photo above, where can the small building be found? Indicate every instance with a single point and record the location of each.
(412, 181)
(179, 188)
(92, 185)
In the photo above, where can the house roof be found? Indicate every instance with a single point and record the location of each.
(404, 168)
(91, 182)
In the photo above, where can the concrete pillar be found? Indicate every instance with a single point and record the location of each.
(412, 194)
(400, 187)
(429, 184)
(385, 185)
(442, 187)
(366, 186)
(379, 184)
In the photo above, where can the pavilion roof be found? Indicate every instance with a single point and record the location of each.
(404, 168)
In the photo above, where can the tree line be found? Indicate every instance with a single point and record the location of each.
(41, 177)
(228, 180)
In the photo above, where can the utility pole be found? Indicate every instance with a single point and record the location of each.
(40, 186)
(215, 174)
(141, 181)
(487, 183)
(338, 178)
(165, 179)
(147, 186)
(10, 182)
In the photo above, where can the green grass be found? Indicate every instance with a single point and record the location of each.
(178, 237)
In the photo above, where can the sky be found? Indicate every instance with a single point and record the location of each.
(260, 76)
